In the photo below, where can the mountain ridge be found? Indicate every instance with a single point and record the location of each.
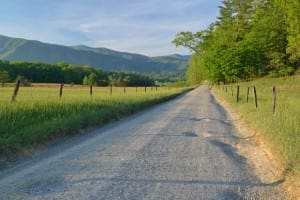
(100, 57)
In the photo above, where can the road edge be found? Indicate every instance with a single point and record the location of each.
(256, 150)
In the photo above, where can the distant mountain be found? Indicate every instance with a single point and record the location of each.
(106, 59)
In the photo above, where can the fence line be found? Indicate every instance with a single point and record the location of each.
(255, 95)
(90, 89)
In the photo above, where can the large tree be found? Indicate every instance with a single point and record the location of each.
(250, 38)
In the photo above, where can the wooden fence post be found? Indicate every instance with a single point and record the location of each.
(156, 88)
(145, 88)
(110, 89)
(247, 97)
(237, 93)
(274, 99)
(91, 90)
(255, 96)
(14, 96)
(124, 90)
(61, 90)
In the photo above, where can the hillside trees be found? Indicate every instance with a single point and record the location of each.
(61, 72)
(251, 38)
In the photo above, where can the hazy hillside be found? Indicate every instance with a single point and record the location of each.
(29, 50)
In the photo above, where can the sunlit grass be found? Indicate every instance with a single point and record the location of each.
(282, 129)
(38, 115)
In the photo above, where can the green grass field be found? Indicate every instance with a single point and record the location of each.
(38, 115)
(281, 130)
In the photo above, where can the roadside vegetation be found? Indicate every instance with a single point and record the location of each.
(39, 116)
(280, 129)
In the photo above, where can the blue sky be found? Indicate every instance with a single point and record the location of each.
(137, 26)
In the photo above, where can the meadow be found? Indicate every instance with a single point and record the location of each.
(38, 115)
(281, 130)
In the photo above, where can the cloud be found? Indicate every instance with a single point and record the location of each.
(150, 46)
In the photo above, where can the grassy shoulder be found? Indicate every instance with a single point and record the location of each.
(281, 129)
(39, 116)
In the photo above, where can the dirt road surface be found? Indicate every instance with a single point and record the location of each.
(181, 149)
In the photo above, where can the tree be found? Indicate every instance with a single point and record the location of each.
(189, 40)
(4, 77)
(269, 30)
(196, 70)
(250, 38)
(93, 79)
(85, 80)
(293, 29)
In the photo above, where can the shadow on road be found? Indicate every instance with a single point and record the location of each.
(185, 182)
(229, 151)
(184, 134)
(225, 122)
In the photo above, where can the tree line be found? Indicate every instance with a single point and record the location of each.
(62, 72)
(250, 38)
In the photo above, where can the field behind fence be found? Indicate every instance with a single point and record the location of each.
(38, 114)
(276, 117)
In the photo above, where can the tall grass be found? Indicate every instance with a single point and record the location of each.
(281, 130)
(39, 115)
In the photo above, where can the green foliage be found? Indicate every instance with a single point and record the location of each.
(293, 29)
(167, 77)
(86, 80)
(250, 39)
(65, 73)
(92, 78)
(189, 40)
(196, 71)
(129, 79)
(4, 77)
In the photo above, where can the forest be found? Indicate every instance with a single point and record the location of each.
(62, 72)
(249, 39)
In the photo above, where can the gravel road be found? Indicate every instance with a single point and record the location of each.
(181, 149)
